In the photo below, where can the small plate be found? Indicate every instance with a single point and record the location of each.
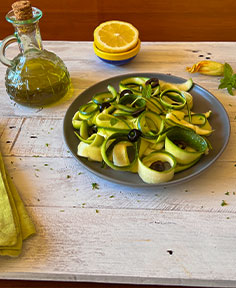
(202, 102)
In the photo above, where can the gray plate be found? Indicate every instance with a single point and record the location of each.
(203, 101)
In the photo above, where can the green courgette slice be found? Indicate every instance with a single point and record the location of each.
(173, 99)
(105, 97)
(151, 176)
(194, 145)
(150, 124)
(108, 146)
(185, 86)
(196, 119)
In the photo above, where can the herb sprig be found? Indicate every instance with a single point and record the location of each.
(229, 80)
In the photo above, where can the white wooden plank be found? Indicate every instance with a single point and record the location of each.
(65, 183)
(128, 244)
(9, 131)
(39, 134)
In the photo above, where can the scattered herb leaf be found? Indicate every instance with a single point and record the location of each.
(97, 211)
(227, 193)
(95, 186)
(224, 203)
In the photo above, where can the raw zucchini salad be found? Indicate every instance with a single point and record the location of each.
(147, 127)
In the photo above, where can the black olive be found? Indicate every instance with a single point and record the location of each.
(181, 144)
(158, 166)
(92, 129)
(125, 92)
(103, 106)
(133, 135)
(154, 82)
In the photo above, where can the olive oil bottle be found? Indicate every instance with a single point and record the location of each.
(35, 77)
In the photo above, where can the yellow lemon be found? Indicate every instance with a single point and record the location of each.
(116, 36)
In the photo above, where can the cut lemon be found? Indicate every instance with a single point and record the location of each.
(116, 36)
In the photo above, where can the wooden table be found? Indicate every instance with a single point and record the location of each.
(180, 235)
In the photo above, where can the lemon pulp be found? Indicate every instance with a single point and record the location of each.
(116, 36)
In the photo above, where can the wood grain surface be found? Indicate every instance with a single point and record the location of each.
(43, 284)
(157, 20)
(180, 235)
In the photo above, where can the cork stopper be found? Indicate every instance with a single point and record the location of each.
(22, 10)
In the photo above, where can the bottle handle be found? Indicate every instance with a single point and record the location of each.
(3, 46)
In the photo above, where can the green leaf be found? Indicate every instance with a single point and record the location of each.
(234, 80)
(223, 83)
(147, 91)
(229, 80)
(113, 121)
(228, 71)
(229, 89)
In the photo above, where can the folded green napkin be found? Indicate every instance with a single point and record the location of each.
(15, 223)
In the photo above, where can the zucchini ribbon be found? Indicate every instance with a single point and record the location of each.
(147, 127)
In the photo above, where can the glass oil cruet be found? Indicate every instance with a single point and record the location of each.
(35, 77)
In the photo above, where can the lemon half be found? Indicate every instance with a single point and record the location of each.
(116, 36)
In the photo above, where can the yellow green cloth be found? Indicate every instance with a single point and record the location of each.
(15, 223)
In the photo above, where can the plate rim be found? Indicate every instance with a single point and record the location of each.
(147, 185)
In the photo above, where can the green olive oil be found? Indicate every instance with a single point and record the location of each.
(37, 81)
